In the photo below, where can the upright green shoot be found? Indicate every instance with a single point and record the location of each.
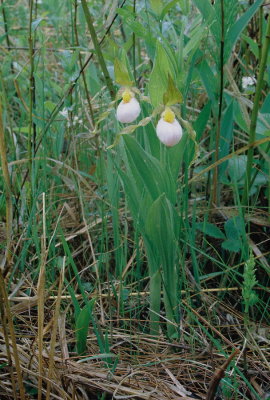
(254, 115)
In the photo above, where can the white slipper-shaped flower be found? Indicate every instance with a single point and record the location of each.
(168, 129)
(129, 109)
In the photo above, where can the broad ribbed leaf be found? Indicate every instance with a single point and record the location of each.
(158, 82)
(82, 326)
(148, 172)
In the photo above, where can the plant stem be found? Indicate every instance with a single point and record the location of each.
(8, 190)
(32, 125)
(260, 33)
(254, 115)
(6, 32)
(58, 106)
(215, 198)
(81, 64)
(5, 309)
(134, 43)
(96, 44)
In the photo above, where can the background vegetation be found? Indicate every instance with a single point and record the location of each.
(128, 269)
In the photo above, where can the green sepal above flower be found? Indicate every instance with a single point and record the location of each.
(172, 95)
(121, 74)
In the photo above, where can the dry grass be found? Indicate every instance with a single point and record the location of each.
(146, 367)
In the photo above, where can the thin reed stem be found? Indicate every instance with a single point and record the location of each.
(41, 297)
(260, 34)
(134, 43)
(32, 125)
(5, 333)
(12, 336)
(215, 198)
(8, 193)
(97, 47)
(81, 64)
(6, 32)
(54, 329)
(254, 115)
(58, 106)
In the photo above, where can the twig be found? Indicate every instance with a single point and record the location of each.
(218, 375)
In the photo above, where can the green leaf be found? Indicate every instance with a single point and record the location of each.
(158, 82)
(36, 23)
(231, 245)
(82, 326)
(148, 172)
(157, 6)
(200, 124)
(172, 95)
(238, 27)
(167, 8)
(226, 135)
(237, 167)
(185, 6)
(210, 230)
(209, 15)
(252, 45)
(233, 228)
(121, 73)
(209, 79)
(160, 229)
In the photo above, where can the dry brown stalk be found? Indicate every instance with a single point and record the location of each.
(218, 375)
(7, 315)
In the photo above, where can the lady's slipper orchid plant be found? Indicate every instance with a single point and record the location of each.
(129, 109)
(168, 129)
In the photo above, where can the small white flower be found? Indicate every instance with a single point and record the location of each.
(64, 112)
(129, 108)
(168, 129)
(248, 81)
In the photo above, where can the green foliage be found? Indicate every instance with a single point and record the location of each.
(172, 94)
(233, 233)
(121, 73)
(232, 239)
(123, 220)
(157, 6)
(158, 83)
(151, 193)
(233, 29)
(210, 229)
(82, 326)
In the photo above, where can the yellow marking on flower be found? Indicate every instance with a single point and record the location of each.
(127, 96)
(168, 115)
